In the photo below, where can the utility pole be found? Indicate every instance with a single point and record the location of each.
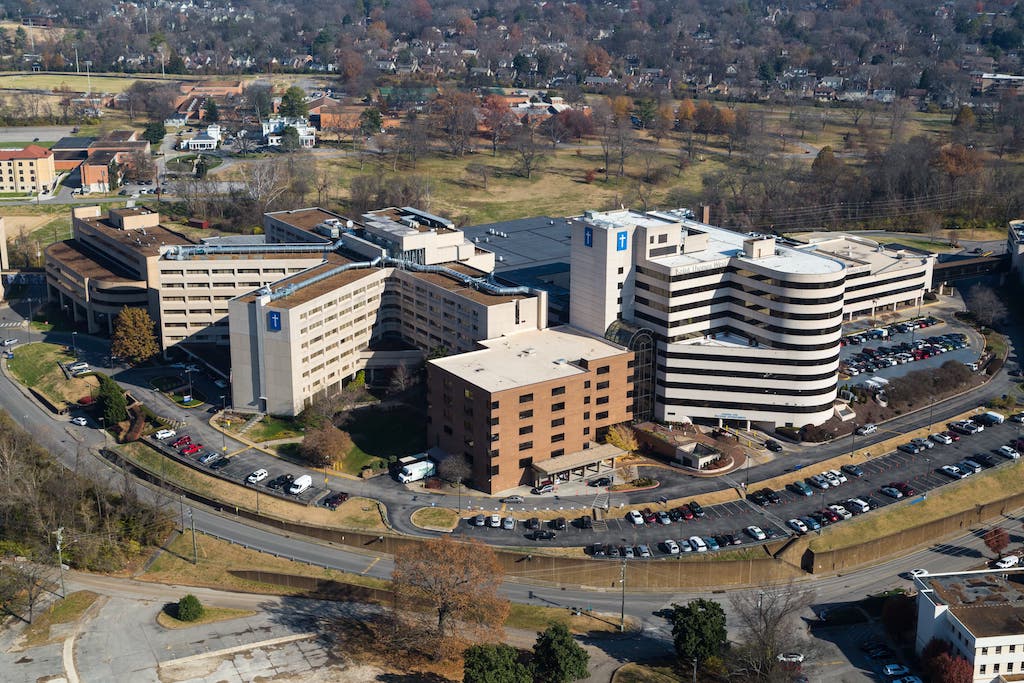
(195, 548)
(59, 533)
(181, 503)
(622, 614)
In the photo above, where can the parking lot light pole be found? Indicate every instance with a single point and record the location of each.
(223, 433)
(74, 343)
(622, 614)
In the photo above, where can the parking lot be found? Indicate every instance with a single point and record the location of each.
(855, 362)
(918, 472)
(236, 468)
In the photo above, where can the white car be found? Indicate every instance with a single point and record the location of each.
(671, 547)
(257, 476)
(755, 533)
(797, 525)
(838, 475)
(867, 429)
(841, 511)
(495, 521)
(508, 524)
(895, 670)
(952, 471)
(832, 479)
(698, 544)
(944, 439)
(164, 434)
(791, 657)
(1007, 562)
(80, 421)
(1008, 452)
(10, 342)
(635, 517)
(917, 573)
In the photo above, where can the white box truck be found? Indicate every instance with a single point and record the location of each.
(300, 485)
(416, 471)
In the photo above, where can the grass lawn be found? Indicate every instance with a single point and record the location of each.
(23, 144)
(645, 673)
(165, 382)
(216, 559)
(271, 428)
(211, 615)
(982, 488)
(78, 82)
(435, 518)
(35, 365)
(64, 611)
(376, 435)
(997, 342)
(195, 401)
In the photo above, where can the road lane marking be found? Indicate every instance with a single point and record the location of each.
(371, 565)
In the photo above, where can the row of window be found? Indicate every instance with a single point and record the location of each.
(750, 304)
(740, 272)
(732, 406)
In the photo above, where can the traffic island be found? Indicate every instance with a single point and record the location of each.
(435, 519)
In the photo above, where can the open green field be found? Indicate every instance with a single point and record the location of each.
(36, 366)
(74, 82)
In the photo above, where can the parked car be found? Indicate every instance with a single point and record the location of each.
(951, 471)
(80, 421)
(790, 657)
(558, 523)
(663, 517)
(853, 470)
(635, 517)
(509, 523)
(543, 488)
(1007, 562)
(183, 441)
(924, 444)
(600, 481)
(811, 522)
(494, 521)
(891, 491)
(284, 481)
(904, 488)
(755, 533)
(797, 525)
(819, 481)
(968, 466)
(257, 476)
(840, 510)
(544, 535)
(773, 445)
(942, 438)
(696, 509)
(671, 547)
(1008, 452)
(800, 488)
(911, 448)
(585, 522)
(839, 476)
(698, 544)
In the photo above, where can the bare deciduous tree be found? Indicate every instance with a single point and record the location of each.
(986, 306)
(265, 181)
(768, 620)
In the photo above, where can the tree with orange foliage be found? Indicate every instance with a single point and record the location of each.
(957, 161)
(459, 581)
(621, 106)
(596, 60)
(498, 117)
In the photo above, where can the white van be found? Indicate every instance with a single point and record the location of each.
(164, 434)
(300, 485)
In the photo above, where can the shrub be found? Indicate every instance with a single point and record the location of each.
(189, 608)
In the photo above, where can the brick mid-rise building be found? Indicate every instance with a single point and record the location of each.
(530, 407)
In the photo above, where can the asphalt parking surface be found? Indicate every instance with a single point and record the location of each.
(968, 354)
(919, 471)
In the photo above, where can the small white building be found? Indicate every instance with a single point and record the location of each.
(275, 126)
(207, 140)
(981, 613)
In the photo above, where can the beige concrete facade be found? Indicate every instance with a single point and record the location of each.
(27, 170)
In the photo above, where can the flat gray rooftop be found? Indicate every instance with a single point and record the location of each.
(531, 241)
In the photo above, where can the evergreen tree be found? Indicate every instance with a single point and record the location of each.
(155, 132)
(558, 658)
(211, 113)
(293, 103)
(698, 630)
(111, 399)
(494, 664)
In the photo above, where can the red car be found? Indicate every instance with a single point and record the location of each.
(649, 516)
(192, 450)
(952, 435)
(183, 441)
(832, 516)
(903, 487)
(686, 512)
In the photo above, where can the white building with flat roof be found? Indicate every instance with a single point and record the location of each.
(981, 614)
(745, 329)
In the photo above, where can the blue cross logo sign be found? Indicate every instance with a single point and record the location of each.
(588, 237)
(621, 240)
(274, 321)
